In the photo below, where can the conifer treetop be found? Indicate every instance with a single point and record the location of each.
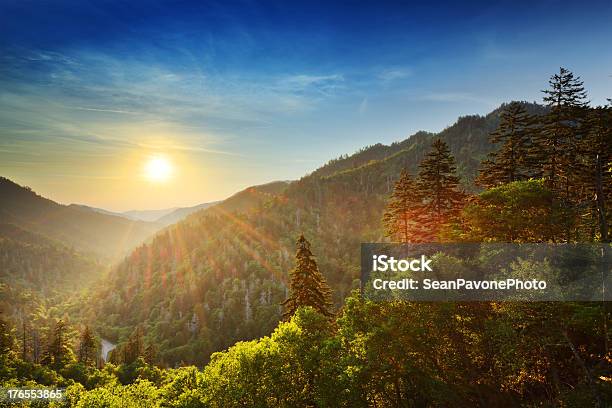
(307, 285)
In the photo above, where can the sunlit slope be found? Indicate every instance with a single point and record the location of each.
(37, 271)
(105, 236)
(178, 214)
(219, 276)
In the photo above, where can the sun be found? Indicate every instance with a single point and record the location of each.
(158, 169)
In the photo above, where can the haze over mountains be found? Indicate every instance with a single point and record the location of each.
(218, 276)
(162, 217)
(215, 274)
(91, 232)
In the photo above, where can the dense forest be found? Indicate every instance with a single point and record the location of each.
(288, 315)
(95, 234)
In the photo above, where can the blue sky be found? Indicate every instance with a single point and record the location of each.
(241, 93)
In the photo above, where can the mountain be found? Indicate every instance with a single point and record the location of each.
(162, 217)
(180, 213)
(218, 276)
(148, 215)
(86, 230)
(100, 210)
(35, 269)
(252, 197)
(467, 138)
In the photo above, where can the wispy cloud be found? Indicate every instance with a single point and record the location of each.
(363, 106)
(94, 98)
(97, 82)
(393, 74)
(123, 112)
(321, 85)
(303, 81)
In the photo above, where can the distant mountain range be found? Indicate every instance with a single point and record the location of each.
(169, 216)
(102, 235)
(147, 215)
(162, 217)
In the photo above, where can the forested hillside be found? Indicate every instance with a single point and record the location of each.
(278, 264)
(181, 213)
(219, 276)
(41, 280)
(102, 235)
(32, 261)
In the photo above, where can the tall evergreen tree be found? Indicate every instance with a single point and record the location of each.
(556, 140)
(150, 354)
(7, 352)
(439, 184)
(308, 286)
(556, 143)
(404, 213)
(510, 162)
(7, 337)
(58, 352)
(134, 347)
(595, 175)
(87, 347)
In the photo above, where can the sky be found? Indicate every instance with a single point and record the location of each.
(231, 94)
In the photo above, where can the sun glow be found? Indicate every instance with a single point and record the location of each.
(158, 169)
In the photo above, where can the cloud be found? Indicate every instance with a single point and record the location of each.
(125, 112)
(99, 83)
(363, 106)
(90, 103)
(304, 81)
(389, 75)
(320, 84)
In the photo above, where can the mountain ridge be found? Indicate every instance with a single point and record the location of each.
(91, 232)
(218, 276)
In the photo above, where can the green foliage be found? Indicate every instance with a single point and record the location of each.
(556, 144)
(404, 213)
(88, 231)
(88, 349)
(134, 348)
(141, 394)
(217, 278)
(439, 185)
(58, 353)
(308, 286)
(293, 367)
(514, 212)
(511, 161)
(595, 174)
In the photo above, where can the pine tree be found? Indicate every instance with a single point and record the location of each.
(595, 175)
(7, 338)
(556, 143)
(402, 218)
(555, 146)
(150, 354)
(8, 356)
(87, 347)
(439, 185)
(511, 161)
(58, 352)
(134, 347)
(308, 286)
